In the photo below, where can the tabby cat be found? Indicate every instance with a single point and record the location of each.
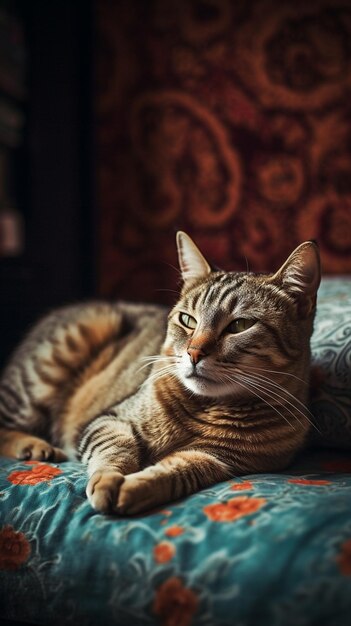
(159, 406)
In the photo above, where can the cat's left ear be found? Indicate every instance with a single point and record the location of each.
(191, 262)
(300, 276)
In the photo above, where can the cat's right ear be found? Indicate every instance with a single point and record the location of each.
(300, 276)
(191, 262)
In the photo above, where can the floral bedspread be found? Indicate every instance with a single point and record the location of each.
(266, 550)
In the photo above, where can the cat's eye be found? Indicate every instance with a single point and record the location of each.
(187, 320)
(239, 325)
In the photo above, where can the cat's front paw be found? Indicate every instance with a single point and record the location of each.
(137, 494)
(103, 489)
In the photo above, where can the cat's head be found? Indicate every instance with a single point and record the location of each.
(231, 324)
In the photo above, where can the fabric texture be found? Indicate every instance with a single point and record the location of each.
(331, 350)
(273, 550)
(229, 120)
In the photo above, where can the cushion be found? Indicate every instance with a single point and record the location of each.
(331, 351)
(271, 549)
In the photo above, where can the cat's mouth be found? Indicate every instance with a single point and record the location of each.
(198, 383)
(198, 376)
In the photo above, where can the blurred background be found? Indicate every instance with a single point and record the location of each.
(122, 121)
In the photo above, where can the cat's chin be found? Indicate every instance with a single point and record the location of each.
(201, 386)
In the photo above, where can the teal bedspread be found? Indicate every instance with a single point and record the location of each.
(268, 549)
(261, 550)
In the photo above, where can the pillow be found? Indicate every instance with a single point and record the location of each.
(331, 352)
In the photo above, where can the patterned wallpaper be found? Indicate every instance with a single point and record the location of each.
(227, 119)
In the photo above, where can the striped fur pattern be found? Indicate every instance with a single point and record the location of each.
(157, 405)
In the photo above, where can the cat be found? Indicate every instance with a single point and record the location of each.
(159, 405)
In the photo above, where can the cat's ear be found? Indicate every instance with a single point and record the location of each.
(191, 262)
(300, 276)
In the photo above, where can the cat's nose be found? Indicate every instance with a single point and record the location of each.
(195, 353)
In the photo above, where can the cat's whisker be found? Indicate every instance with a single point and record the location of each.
(157, 357)
(160, 373)
(262, 369)
(151, 360)
(168, 290)
(284, 403)
(176, 269)
(249, 388)
(165, 368)
(305, 412)
(142, 367)
(235, 379)
(268, 381)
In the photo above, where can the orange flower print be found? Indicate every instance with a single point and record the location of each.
(41, 472)
(233, 509)
(14, 548)
(175, 604)
(164, 552)
(174, 531)
(344, 558)
(308, 481)
(167, 513)
(244, 486)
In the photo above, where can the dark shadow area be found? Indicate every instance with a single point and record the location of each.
(48, 185)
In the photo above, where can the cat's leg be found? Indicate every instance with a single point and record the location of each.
(110, 450)
(178, 475)
(24, 446)
(24, 412)
(21, 418)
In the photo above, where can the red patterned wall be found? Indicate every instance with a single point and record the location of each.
(227, 119)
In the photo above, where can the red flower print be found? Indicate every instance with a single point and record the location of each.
(174, 531)
(344, 558)
(244, 486)
(14, 548)
(40, 473)
(233, 509)
(308, 481)
(164, 552)
(165, 512)
(174, 603)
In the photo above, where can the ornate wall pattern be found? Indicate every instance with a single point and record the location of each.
(230, 120)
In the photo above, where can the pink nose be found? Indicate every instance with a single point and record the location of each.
(196, 354)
